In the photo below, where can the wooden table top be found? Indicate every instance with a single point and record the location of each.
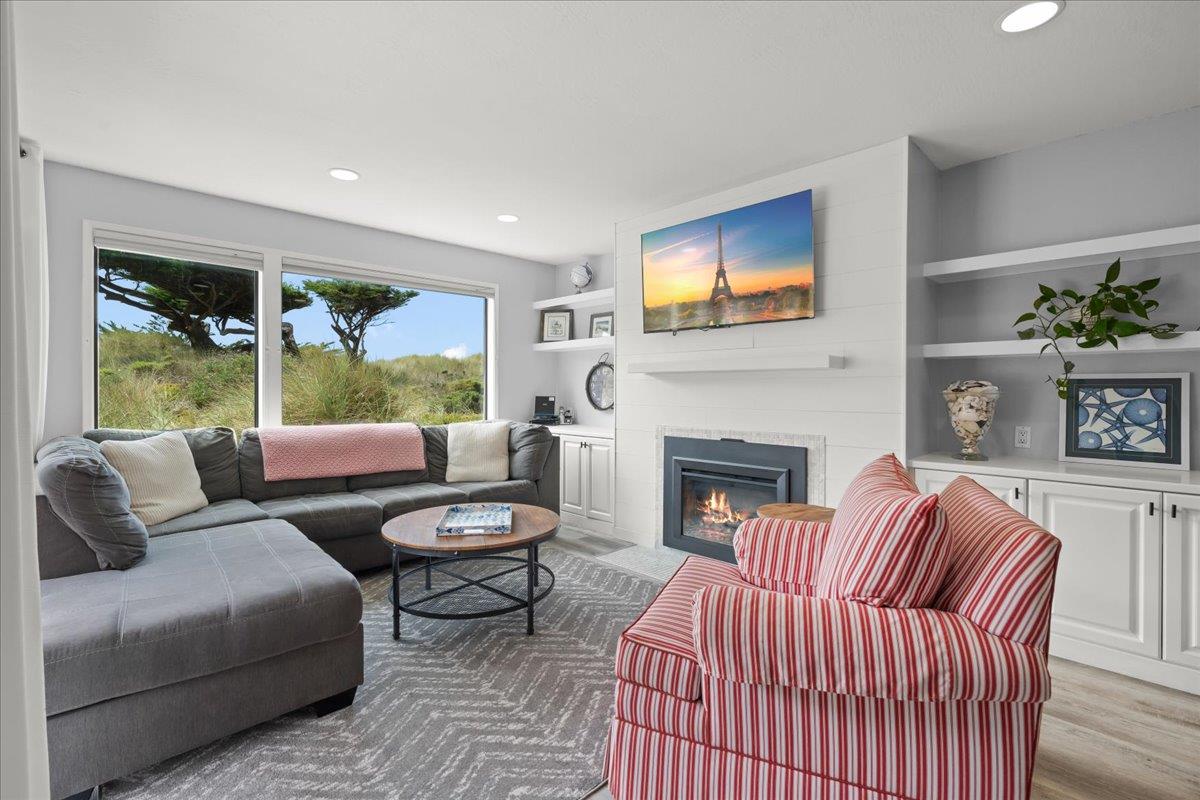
(416, 531)
(801, 512)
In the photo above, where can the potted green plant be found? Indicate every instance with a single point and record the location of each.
(1105, 316)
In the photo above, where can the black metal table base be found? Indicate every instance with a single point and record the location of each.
(423, 605)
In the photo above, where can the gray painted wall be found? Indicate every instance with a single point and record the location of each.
(1142, 176)
(74, 194)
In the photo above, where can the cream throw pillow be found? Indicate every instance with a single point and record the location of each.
(161, 475)
(477, 451)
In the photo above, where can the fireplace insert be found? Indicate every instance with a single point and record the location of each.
(711, 486)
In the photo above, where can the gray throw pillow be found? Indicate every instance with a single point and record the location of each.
(91, 497)
(528, 448)
(215, 451)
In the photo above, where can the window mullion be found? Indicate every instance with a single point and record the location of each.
(270, 340)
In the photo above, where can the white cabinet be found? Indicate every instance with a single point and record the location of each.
(1109, 585)
(1181, 579)
(587, 479)
(1011, 490)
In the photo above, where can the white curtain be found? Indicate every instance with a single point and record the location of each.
(23, 765)
(36, 270)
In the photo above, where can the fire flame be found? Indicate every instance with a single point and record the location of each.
(717, 511)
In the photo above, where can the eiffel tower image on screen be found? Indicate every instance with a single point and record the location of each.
(720, 283)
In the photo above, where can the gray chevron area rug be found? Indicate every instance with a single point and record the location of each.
(457, 709)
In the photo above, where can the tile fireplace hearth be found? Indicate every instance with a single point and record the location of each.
(711, 486)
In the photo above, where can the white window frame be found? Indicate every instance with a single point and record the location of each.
(271, 264)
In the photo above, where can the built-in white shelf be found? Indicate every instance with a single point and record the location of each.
(754, 359)
(599, 297)
(594, 343)
(1088, 253)
(1160, 480)
(1143, 343)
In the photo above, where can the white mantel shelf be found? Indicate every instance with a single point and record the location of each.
(585, 431)
(1088, 253)
(599, 297)
(594, 343)
(1187, 342)
(1155, 480)
(755, 359)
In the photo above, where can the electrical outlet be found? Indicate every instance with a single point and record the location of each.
(1024, 435)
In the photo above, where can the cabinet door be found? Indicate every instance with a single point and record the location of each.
(573, 486)
(1181, 579)
(1010, 490)
(1109, 585)
(599, 457)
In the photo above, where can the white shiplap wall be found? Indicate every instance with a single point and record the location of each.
(859, 243)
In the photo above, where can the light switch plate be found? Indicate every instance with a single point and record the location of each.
(1024, 436)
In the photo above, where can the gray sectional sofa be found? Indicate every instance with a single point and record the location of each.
(238, 612)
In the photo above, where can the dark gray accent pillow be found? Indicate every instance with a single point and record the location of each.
(436, 452)
(214, 450)
(528, 448)
(255, 485)
(61, 551)
(90, 496)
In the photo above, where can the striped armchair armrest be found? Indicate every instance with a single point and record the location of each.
(909, 654)
(780, 554)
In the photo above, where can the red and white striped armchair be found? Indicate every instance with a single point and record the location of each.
(740, 683)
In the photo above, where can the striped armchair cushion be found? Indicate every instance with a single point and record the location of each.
(1001, 572)
(887, 543)
(747, 635)
(658, 651)
(780, 554)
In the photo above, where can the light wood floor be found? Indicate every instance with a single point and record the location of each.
(1104, 736)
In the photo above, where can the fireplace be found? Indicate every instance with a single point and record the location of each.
(711, 486)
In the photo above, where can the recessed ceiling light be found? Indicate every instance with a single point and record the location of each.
(343, 174)
(1028, 16)
(507, 218)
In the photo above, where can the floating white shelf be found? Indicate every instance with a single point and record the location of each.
(764, 359)
(1088, 253)
(600, 297)
(1143, 343)
(595, 343)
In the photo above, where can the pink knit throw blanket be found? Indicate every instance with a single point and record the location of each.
(333, 451)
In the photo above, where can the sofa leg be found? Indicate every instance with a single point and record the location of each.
(94, 793)
(335, 703)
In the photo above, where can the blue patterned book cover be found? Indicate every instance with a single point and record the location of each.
(475, 518)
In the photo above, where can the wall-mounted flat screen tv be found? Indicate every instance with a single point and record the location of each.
(751, 264)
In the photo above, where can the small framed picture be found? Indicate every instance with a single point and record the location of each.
(602, 324)
(1130, 420)
(557, 326)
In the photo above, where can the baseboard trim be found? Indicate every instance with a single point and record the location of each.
(1174, 676)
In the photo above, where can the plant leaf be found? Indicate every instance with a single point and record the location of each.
(1045, 347)
(1138, 308)
(1114, 271)
(1028, 315)
(1047, 292)
(1028, 333)
(1148, 285)
(1089, 343)
(1166, 334)
(1068, 367)
(1062, 330)
(1041, 301)
(1126, 328)
(1095, 306)
(1120, 305)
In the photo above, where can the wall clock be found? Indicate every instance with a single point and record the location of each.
(599, 384)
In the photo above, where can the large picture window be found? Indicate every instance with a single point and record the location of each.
(357, 351)
(175, 342)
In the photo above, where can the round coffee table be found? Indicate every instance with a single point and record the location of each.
(801, 512)
(449, 559)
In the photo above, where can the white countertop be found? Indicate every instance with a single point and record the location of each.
(589, 431)
(1161, 480)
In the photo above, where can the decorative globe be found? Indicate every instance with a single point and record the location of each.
(581, 276)
(972, 407)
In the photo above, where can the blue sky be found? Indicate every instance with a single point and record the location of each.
(432, 322)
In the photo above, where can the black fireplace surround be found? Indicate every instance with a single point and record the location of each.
(711, 485)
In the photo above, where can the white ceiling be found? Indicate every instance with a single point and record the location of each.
(574, 115)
